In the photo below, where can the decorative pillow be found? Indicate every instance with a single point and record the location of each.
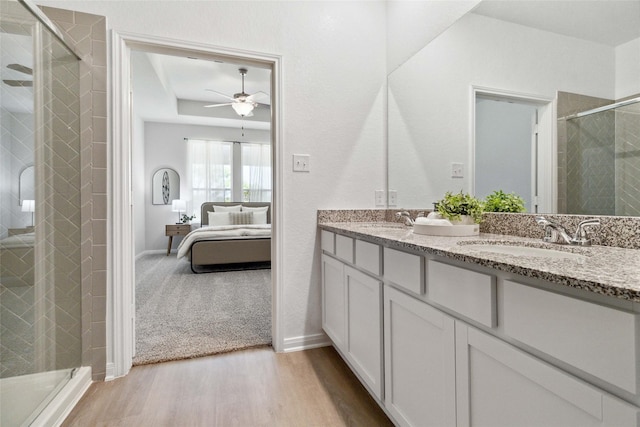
(259, 214)
(220, 208)
(219, 218)
(241, 218)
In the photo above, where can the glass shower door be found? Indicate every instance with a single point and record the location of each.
(40, 296)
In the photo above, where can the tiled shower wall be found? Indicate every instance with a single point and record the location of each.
(598, 158)
(628, 160)
(582, 160)
(87, 34)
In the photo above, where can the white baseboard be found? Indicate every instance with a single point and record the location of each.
(154, 251)
(306, 342)
(109, 375)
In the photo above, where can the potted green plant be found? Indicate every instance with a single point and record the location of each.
(186, 219)
(499, 201)
(460, 208)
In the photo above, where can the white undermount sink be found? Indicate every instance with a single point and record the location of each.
(524, 251)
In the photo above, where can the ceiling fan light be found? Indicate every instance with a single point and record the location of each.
(242, 108)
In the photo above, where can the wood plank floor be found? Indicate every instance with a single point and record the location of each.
(255, 387)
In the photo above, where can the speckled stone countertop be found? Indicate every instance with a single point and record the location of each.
(604, 270)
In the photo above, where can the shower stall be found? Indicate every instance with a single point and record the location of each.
(40, 223)
(598, 156)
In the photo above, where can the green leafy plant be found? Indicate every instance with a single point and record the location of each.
(454, 205)
(185, 219)
(499, 201)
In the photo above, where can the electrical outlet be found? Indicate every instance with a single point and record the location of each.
(301, 163)
(457, 170)
(379, 197)
(393, 197)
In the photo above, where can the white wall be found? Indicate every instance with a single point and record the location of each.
(628, 69)
(165, 147)
(411, 25)
(334, 74)
(430, 94)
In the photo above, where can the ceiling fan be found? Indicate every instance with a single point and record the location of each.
(242, 103)
(19, 83)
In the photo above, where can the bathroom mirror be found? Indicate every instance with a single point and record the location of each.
(525, 51)
(165, 186)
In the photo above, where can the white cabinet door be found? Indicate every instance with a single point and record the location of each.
(364, 327)
(499, 385)
(333, 300)
(419, 362)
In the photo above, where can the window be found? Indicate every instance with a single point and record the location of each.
(229, 171)
(256, 172)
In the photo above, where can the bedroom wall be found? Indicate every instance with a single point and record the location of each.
(334, 77)
(165, 147)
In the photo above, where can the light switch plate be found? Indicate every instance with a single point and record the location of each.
(301, 163)
(457, 170)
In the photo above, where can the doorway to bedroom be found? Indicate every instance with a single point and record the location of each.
(201, 135)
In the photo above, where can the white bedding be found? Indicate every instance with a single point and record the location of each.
(25, 240)
(223, 232)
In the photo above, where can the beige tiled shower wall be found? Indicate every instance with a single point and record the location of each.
(568, 166)
(88, 35)
(628, 160)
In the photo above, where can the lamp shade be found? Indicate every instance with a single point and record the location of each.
(28, 206)
(178, 205)
(243, 108)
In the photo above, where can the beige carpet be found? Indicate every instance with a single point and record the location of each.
(180, 315)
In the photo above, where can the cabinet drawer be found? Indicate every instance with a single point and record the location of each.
(177, 229)
(327, 241)
(405, 270)
(467, 292)
(599, 340)
(344, 248)
(368, 256)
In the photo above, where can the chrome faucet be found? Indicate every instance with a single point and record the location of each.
(551, 230)
(407, 217)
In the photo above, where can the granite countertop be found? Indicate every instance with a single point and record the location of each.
(604, 270)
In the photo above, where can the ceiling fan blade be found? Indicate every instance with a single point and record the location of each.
(258, 95)
(217, 105)
(21, 68)
(221, 94)
(19, 83)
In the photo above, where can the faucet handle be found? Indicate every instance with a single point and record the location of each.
(580, 237)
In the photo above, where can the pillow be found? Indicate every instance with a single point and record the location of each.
(240, 218)
(219, 218)
(220, 208)
(259, 214)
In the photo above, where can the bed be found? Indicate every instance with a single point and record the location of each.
(16, 260)
(229, 246)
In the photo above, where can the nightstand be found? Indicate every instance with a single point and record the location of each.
(176, 230)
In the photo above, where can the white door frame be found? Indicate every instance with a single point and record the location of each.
(120, 255)
(547, 142)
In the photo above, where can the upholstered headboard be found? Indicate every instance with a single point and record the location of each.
(208, 207)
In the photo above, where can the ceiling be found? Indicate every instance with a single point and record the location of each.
(608, 22)
(175, 89)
